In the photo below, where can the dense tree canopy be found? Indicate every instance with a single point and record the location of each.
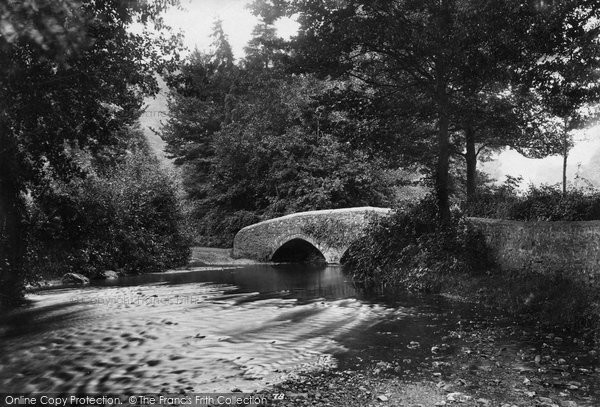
(256, 142)
(73, 78)
(381, 84)
(318, 121)
(456, 61)
(124, 216)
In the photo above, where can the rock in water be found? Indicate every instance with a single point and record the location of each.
(75, 278)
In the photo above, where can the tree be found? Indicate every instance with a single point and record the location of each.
(200, 100)
(568, 78)
(265, 49)
(72, 77)
(273, 160)
(491, 121)
(419, 48)
(555, 70)
(123, 215)
(442, 55)
(255, 142)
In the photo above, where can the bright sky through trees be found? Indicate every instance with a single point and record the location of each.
(197, 17)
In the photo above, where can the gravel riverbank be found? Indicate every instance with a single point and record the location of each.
(478, 364)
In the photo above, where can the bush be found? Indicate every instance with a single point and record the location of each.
(541, 203)
(126, 219)
(411, 249)
(495, 201)
(549, 204)
(217, 228)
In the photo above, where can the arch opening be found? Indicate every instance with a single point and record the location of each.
(298, 251)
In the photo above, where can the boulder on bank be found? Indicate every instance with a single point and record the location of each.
(75, 278)
(106, 275)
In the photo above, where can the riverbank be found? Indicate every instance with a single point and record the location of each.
(200, 256)
(549, 301)
(554, 363)
(480, 363)
(212, 256)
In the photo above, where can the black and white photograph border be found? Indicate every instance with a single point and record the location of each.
(300, 203)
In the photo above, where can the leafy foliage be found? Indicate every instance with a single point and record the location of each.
(199, 104)
(271, 161)
(538, 203)
(126, 219)
(72, 77)
(255, 143)
(472, 70)
(410, 249)
(83, 99)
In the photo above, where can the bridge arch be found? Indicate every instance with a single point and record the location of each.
(297, 249)
(330, 232)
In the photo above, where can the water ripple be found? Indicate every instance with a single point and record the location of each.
(172, 338)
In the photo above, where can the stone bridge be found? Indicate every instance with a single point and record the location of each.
(305, 236)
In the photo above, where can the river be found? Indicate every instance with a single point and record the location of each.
(243, 328)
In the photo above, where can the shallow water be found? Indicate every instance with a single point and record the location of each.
(204, 330)
(211, 330)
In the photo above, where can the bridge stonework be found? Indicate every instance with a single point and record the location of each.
(331, 231)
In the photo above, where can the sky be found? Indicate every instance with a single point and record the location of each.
(583, 163)
(196, 19)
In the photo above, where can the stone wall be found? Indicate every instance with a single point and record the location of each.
(543, 246)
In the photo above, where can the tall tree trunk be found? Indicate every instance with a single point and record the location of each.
(12, 246)
(565, 155)
(12, 231)
(471, 159)
(564, 173)
(442, 177)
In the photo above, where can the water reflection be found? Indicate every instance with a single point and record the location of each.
(313, 279)
(199, 330)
